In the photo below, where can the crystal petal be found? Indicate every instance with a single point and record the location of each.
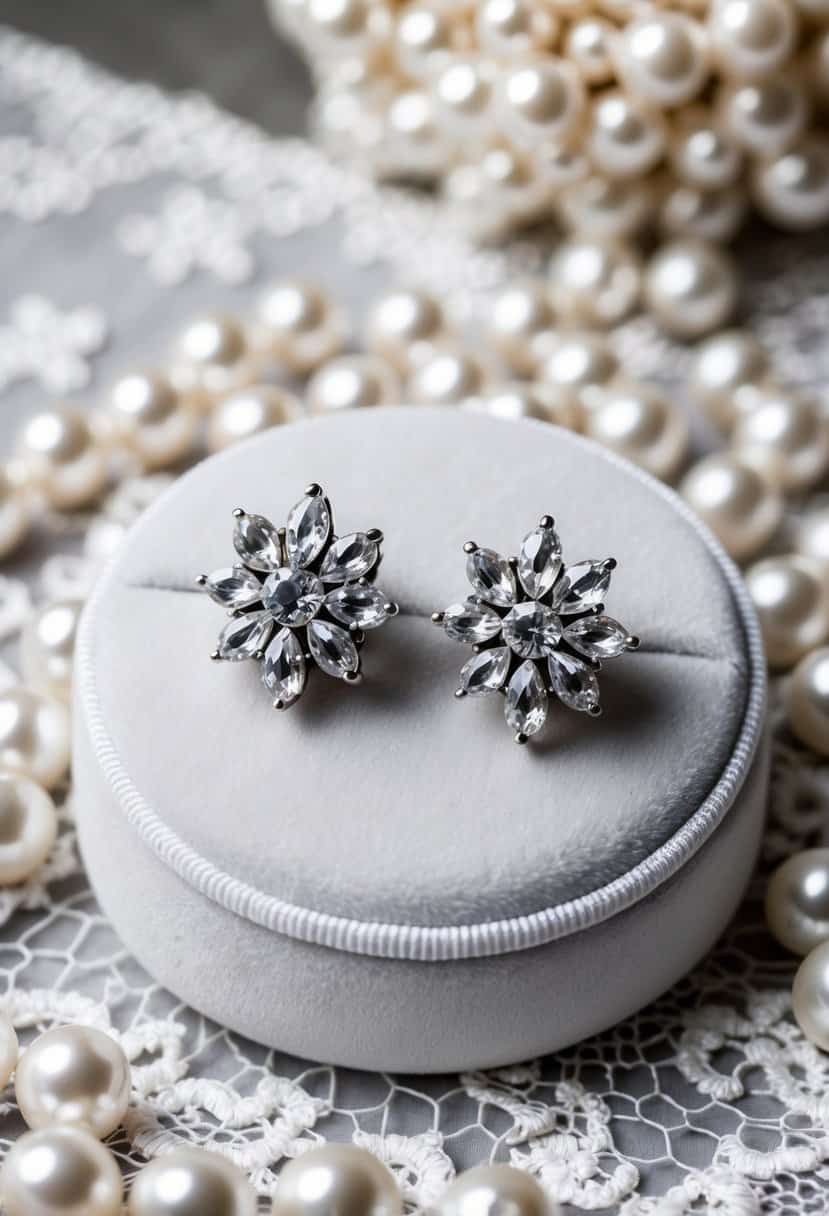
(243, 636)
(357, 606)
(526, 705)
(234, 587)
(333, 650)
(283, 671)
(539, 561)
(573, 682)
(307, 529)
(349, 558)
(599, 637)
(257, 542)
(485, 672)
(471, 622)
(491, 576)
(583, 586)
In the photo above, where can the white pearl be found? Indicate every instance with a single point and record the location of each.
(575, 365)
(806, 700)
(34, 736)
(63, 458)
(403, 325)
(152, 419)
(336, 1180)
(738, 504)
(512, 185)
(690, 287)
(810, 996)
(791, 596)
(812, 535)
(298, 325)
(752, 38)
(28, 828)
(594, 282)
(721, 366)
(416, 145)
(708, 215)
(588, 45)
(352, 382)
(663, 58)
(248, 412)
(510, 28)
(625, 139)
(514, 400)
(423, 39)
(542, 98)
(520, 313)
(15, 515)
(787, 436)
(493, 1190)
(74, 1075)
(211, 357)
(191, 1182)
(47, 648)
(765, 117)
(463, 95)
(797, 900)
(447, 377)
(638, 421)
(604, 209)
(702, 154)
(793, 189)
(8, 1051)
(338, 23)
(61, 1171)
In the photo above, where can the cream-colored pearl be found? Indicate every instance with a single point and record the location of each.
(416, 144)
(792, 190)
(810, 996)
(63, 458)
(15, 515)
(791, 596)
(702, 154)
(708, 215)
(423, 39)
(752, 38)
(520, 314)
(211, 357)
(403, 326)
(806, 700)
(34, 736)
(447, 377)
(588, 45)
(662, 58)
(491, 1190)
(690, 287)
(336, 1180)
(74, 1075)
(511, 28)
(625, 139)
(152, 419)
(28, 828)
(522, 399)
(738, 504)
(797, 900)
(576, 365)
(60, 1171)
(722, 366)
(47, 648)
(191, 1182)
(510, 183)
(542, 98)
(352, 382)
(639, 422)
(787, 436)
(338, 23)
(604, 209)
(765, 117)
(812, 535)
(8, 1051)
(594, 282)
(248, 412)
(298, 325)
(463, 94)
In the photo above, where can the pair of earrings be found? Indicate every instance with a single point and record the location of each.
(301, 596)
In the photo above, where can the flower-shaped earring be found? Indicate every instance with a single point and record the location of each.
(537, 628)
(295, 589)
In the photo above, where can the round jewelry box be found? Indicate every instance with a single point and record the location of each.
(378, 876)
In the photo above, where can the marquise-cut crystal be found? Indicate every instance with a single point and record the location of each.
(485, 672)
(491, 576)
(283, 671)
(243, 636)
(599, 637)
(234, 587)
(531, 629)
(257, 542)
(573, 682)
(471, 622)
(582, 587)
(349, 558)
(526, 705)
(360, 607)
(539, 561)
(293, 596)
(307, 529)
(333, 650)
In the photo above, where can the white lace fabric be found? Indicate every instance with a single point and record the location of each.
(145, 209)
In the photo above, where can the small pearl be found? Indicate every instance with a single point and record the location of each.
(575, 365)
(403, 325)
(447, 377)
(662, 57)
(721, 366)
(463, 95)
(416, 143)
(594, 282)
(336, 1180)
(423, 39)
(63, 458)
(338, 23)
(812, 536)
(752, 38)
(211, 357)
(520, 314)
(810, 996)
(588, 45)
(601, 209)
(793, 189)
(797, 900)
(191, 1182)
(61, 1171)
(542, 98)
(765, 117)
(638, 421)
(701, 154)
(690, 287)
(514, 400)
(352, 382)
(791, 596)
(707, 215)
(625, 138)
(806, 700)
(787, 436)
(492, 1190)
(250, 411)
(34, 736)
(511, 185)
(738, 504)
(298, 326)
(15, 515)
(28, 828)
(513, 28)
(74, 1075)
(8, 1051)
(152, 419)
(47, 648)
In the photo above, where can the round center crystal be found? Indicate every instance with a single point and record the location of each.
(531, 630)
(293, 596)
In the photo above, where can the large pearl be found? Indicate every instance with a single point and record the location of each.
(702, 154)
(415, 143)
(28, 828)
(594, 282)
(792, 190)
(211, 357)
(512, 28)
(298, 326)
(34, 736)
(691, 287)
(352, 382)
(662, 57)
(60, 1171)
(191, 1182)
(423, 38)
(494, 1190)
(248, 412)
(153, 419)
(541, 98)
(765, 117)
(47, 648)
(447, 377)
(791, 595)
(810, 996)
(64, 459)
(738, 504)
(8, 1051)
(575, 365)
(403, 325)
(797, 901)
(812, 535)
(639, 422)
(588, 45)
(521, 313)
(786, 436)
(337, 1180)
(722, 365)
(602, 208)
(625, 139)
(15, 515)
(752, 38)
(806, 698)
(76, 1075)
(463, 95)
